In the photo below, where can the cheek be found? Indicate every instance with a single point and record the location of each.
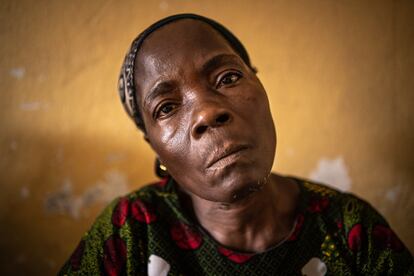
(170, 136)
(258, 116)
(173, 131)
(171, 145)
(255, 106)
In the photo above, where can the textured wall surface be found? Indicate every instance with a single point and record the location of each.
(339, 76)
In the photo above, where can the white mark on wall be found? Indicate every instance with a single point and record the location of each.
(393, 193)
(115, 157)
(65, 202)
(114, 184)
(32, 106)
(332, 172)
(24, 192)
(17, 72)
(163, 5)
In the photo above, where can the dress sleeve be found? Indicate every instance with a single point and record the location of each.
(105, 248)
(375, 248)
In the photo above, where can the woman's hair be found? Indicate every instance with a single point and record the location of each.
(126, 85)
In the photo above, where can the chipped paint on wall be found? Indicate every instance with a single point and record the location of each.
(114, 184)
(18, 72)
(65, 202)
(393, 193)
(332, 172)
(32, 106)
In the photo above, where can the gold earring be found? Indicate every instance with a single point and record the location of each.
(160, 169)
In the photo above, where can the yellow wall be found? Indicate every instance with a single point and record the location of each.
(339, 75)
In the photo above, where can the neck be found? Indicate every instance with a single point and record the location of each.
(254, 223)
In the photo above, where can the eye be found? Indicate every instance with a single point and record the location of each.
(164, 110)
(229, 79)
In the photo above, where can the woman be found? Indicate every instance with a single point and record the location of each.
(188, 84)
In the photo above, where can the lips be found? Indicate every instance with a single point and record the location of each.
(221, 156)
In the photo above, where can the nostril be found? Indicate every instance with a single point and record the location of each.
(222, 118)
(210, 120)
(201, 129)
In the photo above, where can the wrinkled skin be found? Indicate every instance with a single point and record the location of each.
(207, 117)
(200, 104)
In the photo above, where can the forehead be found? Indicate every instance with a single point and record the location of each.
(177, 47)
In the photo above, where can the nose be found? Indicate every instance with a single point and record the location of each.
(209, 115)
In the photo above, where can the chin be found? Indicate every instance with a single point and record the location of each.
(237, 184)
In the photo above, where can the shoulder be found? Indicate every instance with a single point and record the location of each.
(360, 230)
(319, 197)
(119, 231)
(138, 205)
(346, 209)
(354, 211)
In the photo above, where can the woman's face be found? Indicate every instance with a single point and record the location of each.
(206, 113)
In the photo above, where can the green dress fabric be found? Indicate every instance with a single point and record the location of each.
(148, 233)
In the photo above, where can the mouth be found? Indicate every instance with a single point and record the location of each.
(224, 157)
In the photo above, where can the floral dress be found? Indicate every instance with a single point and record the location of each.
(148, 233)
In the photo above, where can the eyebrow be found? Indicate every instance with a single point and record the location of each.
(160, 89)
(218, 61)
(165, 87)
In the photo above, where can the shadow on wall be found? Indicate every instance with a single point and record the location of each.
(53, 189)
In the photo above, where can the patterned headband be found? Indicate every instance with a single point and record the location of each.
(126, 85)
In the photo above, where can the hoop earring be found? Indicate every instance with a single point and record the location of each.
(160, 170)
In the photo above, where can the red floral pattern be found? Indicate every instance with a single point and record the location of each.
(356, 237)
(121, 212)
(238, 258)
(318, 205)
(76, 258)
(163, 182)
(142, 212)
(185, 236)
(115, 256)
(384, 237)
(299, 224)
(98, 255)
